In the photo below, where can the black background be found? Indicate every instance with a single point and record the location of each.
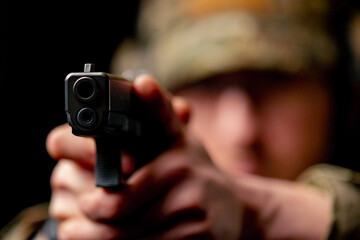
(40, 44)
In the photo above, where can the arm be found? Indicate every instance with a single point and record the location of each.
(178, 194)
(158, 176)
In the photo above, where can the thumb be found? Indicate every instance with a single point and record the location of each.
(156, 105)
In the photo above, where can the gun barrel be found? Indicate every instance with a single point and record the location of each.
(98, 105)
(86, 117)
(85, 89)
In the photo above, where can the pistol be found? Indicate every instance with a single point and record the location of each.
(100, 105)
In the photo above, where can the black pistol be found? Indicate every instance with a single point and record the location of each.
(99, 105)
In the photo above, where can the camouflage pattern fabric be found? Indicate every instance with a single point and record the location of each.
(185, 41)
(343, 185)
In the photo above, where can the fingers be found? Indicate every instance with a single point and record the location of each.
(72, 177)
(185, 230)
(63, 205)
(67, 181)
(144, 186)
(180, 205)
(84, 229)
(61, 143)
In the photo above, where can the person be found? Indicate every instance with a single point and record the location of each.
(247, 91)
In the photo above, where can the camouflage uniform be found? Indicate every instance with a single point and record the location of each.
(185, 41)
(343, 186)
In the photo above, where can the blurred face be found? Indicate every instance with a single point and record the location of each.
(261, 123)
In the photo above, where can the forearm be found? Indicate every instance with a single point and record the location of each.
(283, 209)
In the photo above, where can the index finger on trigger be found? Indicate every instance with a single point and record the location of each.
(61, 143)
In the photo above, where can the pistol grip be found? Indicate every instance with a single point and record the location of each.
(108, 173)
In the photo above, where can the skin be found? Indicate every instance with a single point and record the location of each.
(267, 124)
(189, 190)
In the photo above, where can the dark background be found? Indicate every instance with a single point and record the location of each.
(40, 44)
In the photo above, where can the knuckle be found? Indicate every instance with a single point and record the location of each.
(109, 233)
(99, 207)
(178, 168)
(196, 200)
(186, 199)
(112, 208)
(204, 230)
(58, 210)
(55, 212)
(90, 205)
(58, 214)
(59, 177)
(54, 141)
(70, 176)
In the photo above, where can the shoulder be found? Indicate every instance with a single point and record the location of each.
(343, 185)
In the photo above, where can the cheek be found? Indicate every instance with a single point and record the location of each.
(202, 118)
(295, 131)
(226, 126)
(203, 124)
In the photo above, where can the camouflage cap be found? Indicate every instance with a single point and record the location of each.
(184, 41)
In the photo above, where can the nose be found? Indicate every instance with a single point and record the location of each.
(236, 118)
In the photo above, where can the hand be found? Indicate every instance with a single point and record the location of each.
(67, 189)
(172, 197)
(179, 194)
